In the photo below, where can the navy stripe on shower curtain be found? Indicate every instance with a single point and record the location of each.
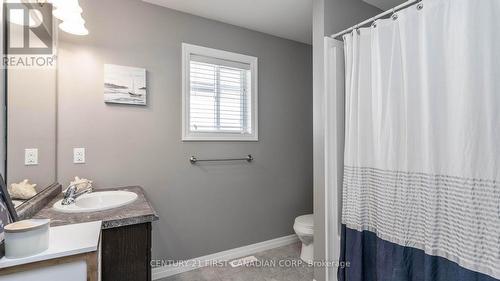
(373, 259)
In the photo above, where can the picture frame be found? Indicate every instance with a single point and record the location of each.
(8, 213)
(125, 85)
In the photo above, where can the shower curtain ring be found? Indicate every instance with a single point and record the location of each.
(394, 15)
(420, 5)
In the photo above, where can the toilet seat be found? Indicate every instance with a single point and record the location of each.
(305, 222)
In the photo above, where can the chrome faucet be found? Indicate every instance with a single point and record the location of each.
(71, 193)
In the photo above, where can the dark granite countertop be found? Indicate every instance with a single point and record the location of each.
(139, 211)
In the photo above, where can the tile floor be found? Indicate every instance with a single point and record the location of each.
(289, 255)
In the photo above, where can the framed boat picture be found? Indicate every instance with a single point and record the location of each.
(124, 84)
(7, 213)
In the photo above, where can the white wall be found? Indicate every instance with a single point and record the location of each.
(334, 147)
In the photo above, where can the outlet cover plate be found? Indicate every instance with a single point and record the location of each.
(79, 155)
(31, 156)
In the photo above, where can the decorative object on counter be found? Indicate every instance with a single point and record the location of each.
(23, 190)
(81, 184)
(32, 206)
(7, 213)
(26, 238)
(123, 84)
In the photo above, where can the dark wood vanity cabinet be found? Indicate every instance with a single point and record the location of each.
(126, 253)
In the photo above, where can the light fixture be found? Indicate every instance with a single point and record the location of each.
(70, 13)
(74, 26)
(64, 3)
(55, 3)
(67, 13)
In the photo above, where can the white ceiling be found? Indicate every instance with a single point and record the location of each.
(385, 4)
(290, 19)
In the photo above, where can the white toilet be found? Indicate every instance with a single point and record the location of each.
(304, 226)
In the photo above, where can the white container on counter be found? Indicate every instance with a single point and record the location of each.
(26, 238)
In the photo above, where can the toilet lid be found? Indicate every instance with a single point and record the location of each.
(306, 221)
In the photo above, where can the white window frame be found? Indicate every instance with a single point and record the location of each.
(187, 135)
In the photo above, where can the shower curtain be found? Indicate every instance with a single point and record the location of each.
(421, 192)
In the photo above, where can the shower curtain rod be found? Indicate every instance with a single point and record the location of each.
(370, 20)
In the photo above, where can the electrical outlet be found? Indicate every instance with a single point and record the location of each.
(79, 155)
(31, 156)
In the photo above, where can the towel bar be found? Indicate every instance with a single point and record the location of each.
(194, 160)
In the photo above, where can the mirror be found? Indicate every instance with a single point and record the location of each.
(31, 131)
(30, 99)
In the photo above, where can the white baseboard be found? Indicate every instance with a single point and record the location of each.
(169, 270)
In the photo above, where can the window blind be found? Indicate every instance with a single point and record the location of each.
(219, 96)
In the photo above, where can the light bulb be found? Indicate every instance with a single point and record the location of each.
(55, 3)
(65, 3)
(74, 28)
(66, 13)
(74, 25)
(70, 13)
(65, 8)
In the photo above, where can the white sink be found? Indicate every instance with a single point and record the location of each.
(97, 201)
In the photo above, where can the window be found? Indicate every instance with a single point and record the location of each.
(219, 95)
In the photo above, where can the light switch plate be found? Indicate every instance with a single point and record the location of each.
(31, 156)
(79, 155)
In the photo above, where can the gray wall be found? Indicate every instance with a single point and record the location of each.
(329, 17)
(207, 208)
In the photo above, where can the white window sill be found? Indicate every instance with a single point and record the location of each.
(220, 138)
